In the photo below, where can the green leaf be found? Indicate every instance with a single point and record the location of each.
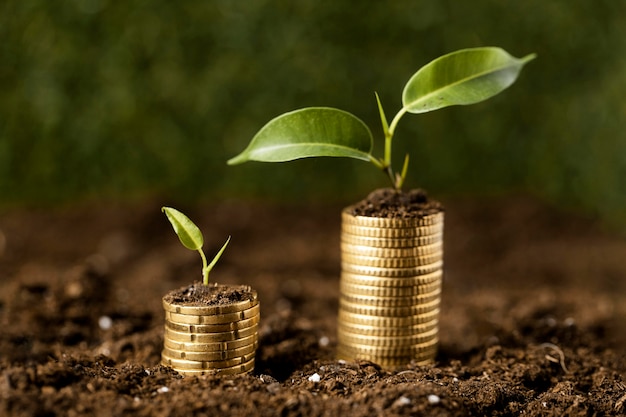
(383, 118)
(188, 233)
(217, 256)
(463, 77)
(309, 132)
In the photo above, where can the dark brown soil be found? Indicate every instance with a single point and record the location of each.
(532, 318)
(212, 294)
(389, 203)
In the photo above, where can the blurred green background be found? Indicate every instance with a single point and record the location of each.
(108, 99)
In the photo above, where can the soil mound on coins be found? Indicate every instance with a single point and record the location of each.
(389, 203)
(198, 294)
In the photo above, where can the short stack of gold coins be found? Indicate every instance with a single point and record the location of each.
(390, 288)
(217, 339)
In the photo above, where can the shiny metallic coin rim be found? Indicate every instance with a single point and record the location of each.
(410, 252)
(381, 351)
(391, 243)
(210, 347)
(209, 337)
(381, 321)
(219, 355)
(427, 220)
(419, 309)
(199, 365)
(391, 272)
(346, 287)
(387, 331)
(347, 338)
(387, 362)
(213, 328)
(400, 263)
(233, 307)
(212, 319)
(392, 282)
(387, 233)
(240, 369)
(391, 302)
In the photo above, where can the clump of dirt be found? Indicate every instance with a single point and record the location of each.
(531, 317)
(198, 294)
(390, 203)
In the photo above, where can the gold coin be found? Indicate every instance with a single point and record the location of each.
(360, 290)
(389, 311)
(175, 336)
(243, 368)
(392, 302)
(210, 347)
(409, 252)
(347, 338)
(380, 321)
(386, 233)
(386, 282)
(213, 328)
(219, 355)
(378, 262)
(212, 319)
(390, 272)
(198, 365)
(428, 220)
(383, 351)
(234, 307)
(378, 242)
(425, 358)
(388, 331)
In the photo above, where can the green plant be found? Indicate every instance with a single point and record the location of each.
(463, 77)
(191, 237)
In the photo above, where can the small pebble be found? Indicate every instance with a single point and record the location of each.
(163, 390)
(324, 341)
(569, 322)
(433, 399)
(105, 322)
(315, 377)
(402, 401)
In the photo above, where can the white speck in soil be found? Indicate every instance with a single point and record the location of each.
(569, 322)
(105, 322)
(315, 377)
(433, 399)
(324, 341)
(163, 390)
(401, 401)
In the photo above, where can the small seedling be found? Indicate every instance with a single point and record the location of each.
(191, 237)
(463, 77)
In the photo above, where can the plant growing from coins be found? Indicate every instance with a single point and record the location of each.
(191, 237)
(463, 77)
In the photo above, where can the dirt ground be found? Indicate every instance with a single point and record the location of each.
(532, 317)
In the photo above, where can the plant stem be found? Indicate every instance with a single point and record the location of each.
(205, 268)
(396, 180)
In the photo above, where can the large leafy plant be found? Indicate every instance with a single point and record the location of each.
(463, 77)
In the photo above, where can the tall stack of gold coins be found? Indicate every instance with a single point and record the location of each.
(390, 288)
(217, 339)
